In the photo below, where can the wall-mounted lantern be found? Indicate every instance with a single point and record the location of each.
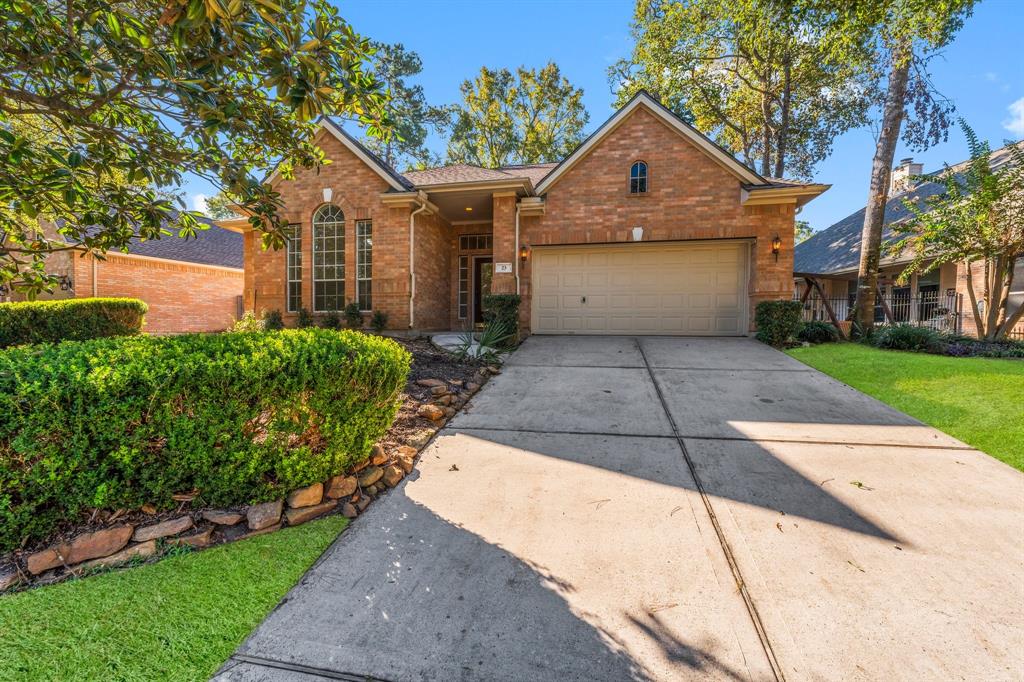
(776, 247)
(524, 251)
(66, 284)
(638, 233)
(328, 193)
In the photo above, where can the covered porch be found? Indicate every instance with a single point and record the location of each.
(928, 300)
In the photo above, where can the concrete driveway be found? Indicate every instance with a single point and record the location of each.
(614, 508)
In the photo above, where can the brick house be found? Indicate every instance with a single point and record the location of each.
(646, 228)
(192, 285)
(825, 265)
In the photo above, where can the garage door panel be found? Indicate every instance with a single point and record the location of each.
(669, 288)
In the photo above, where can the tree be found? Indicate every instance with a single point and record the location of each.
(219, 206)
(802, 231)
(529, 117)
(908, 33)
(407, 108)
(138, 94)
(773, 82)
(978, 221)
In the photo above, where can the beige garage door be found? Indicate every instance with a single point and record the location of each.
(693, 288)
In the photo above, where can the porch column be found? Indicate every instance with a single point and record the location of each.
(504, 239)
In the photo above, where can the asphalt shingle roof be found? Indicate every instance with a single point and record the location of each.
(837, 247)
(213, 246)
(464, 172)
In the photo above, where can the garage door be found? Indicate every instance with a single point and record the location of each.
(692, 288)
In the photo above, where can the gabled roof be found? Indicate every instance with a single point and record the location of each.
(393, 177)
(836, 249)
(645, 100)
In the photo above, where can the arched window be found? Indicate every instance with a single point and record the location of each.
(638, 178)
(328, 259)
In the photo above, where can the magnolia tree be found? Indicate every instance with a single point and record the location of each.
(104, 104)
(977, 221)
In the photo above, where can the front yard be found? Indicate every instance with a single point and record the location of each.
(977, 400)
(178, 619)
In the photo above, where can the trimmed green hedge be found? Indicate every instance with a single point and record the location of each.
(777, 321)
(237, 417)
(72, 319)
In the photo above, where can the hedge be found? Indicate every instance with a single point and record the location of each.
(777, 321)
(73, 319)
(503, 309)
(237, 418)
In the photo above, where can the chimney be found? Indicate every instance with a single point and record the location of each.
(902, 177)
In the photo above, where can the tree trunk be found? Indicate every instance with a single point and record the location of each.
(878, 191)
(979, 324)
(780, 145)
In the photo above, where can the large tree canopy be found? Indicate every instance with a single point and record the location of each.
(131, 96)
(528, 117)
(774, 82)
(407, 108)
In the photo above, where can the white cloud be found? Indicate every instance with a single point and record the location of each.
(1015, 123)
(199, 203)
(991, 76)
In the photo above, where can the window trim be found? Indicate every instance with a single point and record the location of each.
(463, 297)
(484, 241)
(643, 173)
(338, 234)
(293, 249)
(360, 252)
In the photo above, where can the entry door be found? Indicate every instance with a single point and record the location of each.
(685, 288)
(482, 271)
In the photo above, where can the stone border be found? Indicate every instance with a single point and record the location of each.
(349, 493)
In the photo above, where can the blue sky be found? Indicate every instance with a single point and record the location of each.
(982, 71)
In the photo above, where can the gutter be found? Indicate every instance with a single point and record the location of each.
(423, 206)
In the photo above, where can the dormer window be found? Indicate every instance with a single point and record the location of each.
(638, 178)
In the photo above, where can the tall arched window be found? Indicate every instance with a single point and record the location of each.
(638, 178)
(328, 259)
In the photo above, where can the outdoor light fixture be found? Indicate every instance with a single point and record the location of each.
(65, 283)
(776, 247)
(469, 209)
(524, 250)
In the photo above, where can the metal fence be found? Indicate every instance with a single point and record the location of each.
(938, 311)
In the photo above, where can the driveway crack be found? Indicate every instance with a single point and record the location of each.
(737, 574)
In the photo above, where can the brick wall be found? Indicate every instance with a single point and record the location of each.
(356, 189)
(433, 272)
(689, 197)
(182, 297)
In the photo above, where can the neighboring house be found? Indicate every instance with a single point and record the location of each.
(646, 228)
(827, 263)
(191, 285)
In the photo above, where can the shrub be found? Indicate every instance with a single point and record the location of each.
(331, 321)
(303, 319)
(818, 332)
(353, 318)
(968, 346)
(248, 323)
(73, 319)
(503, 309)
(777, 321)
(379, 321)
(907, 337)
(272, 321)
(239, 418)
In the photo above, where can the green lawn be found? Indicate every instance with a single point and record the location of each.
(977, 400)
(177, 619)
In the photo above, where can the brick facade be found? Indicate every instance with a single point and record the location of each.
(691, 197)
(182, 297)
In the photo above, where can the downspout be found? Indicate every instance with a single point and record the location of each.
(412, 262)
(515, 254)
(94, 272)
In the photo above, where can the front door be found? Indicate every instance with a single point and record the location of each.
(482, 270)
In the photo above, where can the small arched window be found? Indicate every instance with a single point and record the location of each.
(638, 178)
(328, 259)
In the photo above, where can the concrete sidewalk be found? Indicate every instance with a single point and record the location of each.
(556, 531)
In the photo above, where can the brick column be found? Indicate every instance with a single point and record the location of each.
(504, 226)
